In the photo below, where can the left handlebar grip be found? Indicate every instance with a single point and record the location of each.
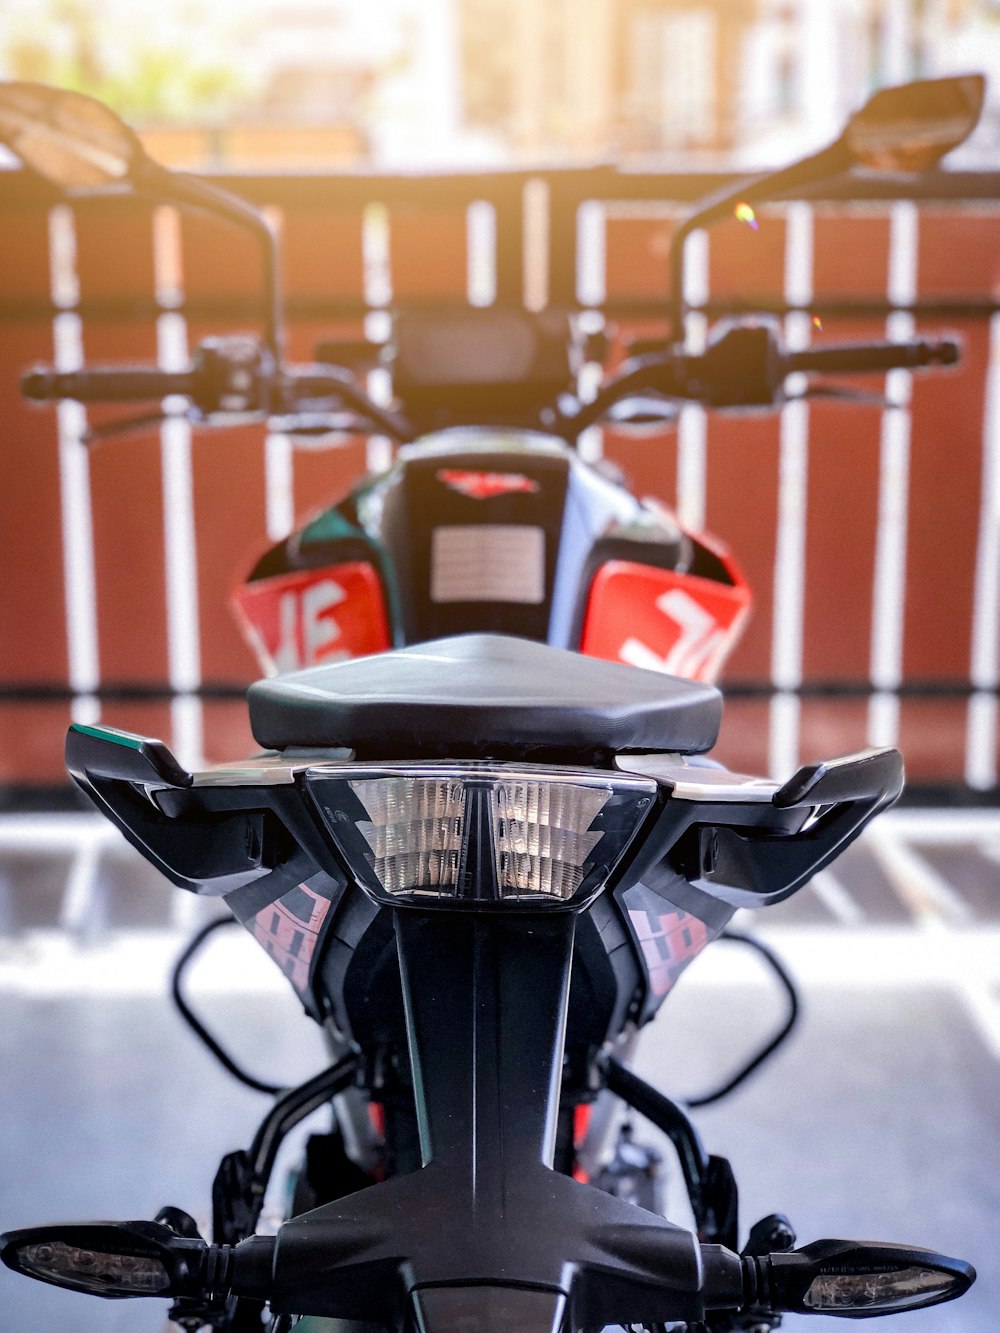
(114, 384)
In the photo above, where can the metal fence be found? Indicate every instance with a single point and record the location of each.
(871, 537)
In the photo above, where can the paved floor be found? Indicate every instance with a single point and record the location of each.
(881, 1119)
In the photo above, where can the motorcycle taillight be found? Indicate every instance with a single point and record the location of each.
(479, 833)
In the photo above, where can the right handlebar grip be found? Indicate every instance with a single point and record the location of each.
(853, 357)
(117, 384)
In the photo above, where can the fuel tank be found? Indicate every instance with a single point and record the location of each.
(496, 531)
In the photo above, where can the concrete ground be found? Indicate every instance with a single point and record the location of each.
(879, 1120)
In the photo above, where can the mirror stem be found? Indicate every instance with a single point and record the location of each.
(829, 161)
(182, 188)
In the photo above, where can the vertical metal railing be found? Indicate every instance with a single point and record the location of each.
(544, 239)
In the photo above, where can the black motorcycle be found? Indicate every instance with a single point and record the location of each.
(482, 862)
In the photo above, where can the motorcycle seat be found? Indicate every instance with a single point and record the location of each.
(478, 695)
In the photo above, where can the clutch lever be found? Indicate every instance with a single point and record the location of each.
(314, 429)
(125, 425)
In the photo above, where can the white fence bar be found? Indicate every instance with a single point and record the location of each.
(790, 544)
(692, 428)
(984, 669)
(180, 536)
(591, 253)
(278, 487)
(535, 221)
(79, 579)
(889, 592)
(481, 253)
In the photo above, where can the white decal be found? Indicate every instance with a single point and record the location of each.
(700, 637)
(305, 619)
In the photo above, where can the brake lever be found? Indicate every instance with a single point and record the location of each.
(840, 393)
(642, 410)
(312, 431)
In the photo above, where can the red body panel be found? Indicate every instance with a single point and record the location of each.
(314, 615)
(663, 620)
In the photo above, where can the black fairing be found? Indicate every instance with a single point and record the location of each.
(485, 1003)
(262, 846)
(428, 497)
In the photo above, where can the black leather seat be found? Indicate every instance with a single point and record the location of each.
(484, 694)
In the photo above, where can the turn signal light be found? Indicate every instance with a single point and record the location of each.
(855, 1279)
(111, 1259)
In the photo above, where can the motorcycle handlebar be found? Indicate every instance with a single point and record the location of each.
(745, 365)
(118, 384)
(227, 375)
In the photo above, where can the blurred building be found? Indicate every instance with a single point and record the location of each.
(701, 81)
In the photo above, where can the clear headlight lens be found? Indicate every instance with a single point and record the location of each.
(480, 832)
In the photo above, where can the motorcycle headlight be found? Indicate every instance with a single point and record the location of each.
(479, 833)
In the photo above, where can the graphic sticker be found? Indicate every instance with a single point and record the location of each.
(661, 620)
(487, 485)
(289, 931)
(314, 615)
(669, 941)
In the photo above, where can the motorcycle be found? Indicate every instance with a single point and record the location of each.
(483, 838)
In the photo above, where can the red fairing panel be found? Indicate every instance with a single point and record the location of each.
(315, 615)
(664, 621)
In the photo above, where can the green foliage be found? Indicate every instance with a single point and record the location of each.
(144, 77)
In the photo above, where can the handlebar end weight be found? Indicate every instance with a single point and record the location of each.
(949, 352)
(36, 385)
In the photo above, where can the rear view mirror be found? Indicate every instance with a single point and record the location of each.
(73, 141)
(80, 146)
(910, 128)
